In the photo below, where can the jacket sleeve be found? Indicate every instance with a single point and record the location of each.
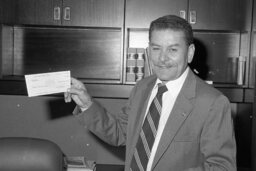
(109, 127)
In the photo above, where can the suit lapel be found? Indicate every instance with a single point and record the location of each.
(142, 110)
(181, 110)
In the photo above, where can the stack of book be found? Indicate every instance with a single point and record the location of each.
(131, 65)
(137, 65)
(79, 163)
(140, 64)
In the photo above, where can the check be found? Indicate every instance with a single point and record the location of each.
(47, 83)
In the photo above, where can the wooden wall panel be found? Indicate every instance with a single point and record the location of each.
(93, 54)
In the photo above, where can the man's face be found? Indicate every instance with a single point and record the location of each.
(169, 54)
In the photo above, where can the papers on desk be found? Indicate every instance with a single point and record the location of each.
(79, 163)
(47, 83)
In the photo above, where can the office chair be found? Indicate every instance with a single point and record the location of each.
(29, 154)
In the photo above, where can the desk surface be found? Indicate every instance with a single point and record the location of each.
(107, 167)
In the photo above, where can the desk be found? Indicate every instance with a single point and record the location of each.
(108, 167)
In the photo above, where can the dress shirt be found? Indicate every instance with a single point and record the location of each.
(168, 101)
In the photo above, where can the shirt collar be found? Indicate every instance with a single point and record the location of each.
(174, 84)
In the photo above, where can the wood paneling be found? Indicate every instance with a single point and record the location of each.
(45, 12)
(39, 12)
(98, 13)
(95, 13)
(93, 54)
(210, 14)
(140, 13)
(17, 86)
(222, 14)
(7, 51)
(7, 11)
(25, 11)
(235, 95)
(254, 16)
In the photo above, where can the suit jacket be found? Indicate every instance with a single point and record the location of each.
(198, 135)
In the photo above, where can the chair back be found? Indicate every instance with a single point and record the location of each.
(29, 154)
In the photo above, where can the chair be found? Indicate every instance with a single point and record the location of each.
(29, 154)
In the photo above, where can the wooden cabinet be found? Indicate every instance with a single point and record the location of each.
(254, 16)
(83, 36)
(100, 13)
(140, 13)
(202, 14)
(94, 13)
(222, 34)
(41, 12)
(7, 11)
(222, 28)
(220, 14)
(93, 55)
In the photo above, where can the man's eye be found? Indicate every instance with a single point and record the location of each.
(173, 50)
(155, 48)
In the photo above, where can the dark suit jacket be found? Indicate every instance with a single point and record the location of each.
(198, 134)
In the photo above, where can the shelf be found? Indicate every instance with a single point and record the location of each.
(122, 91)
(18, 87)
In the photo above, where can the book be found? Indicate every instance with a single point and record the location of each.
(79, 163)
(131, 65)
(148, 68)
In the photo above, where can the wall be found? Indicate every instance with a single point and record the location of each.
(51, 118)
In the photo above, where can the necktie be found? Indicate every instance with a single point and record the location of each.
(148, 133)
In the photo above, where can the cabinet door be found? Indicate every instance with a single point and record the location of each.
(7, 11)
(220, 14)
(97, 13)
(1, 11)
(38, 12)
(140, 13)
(254, 16)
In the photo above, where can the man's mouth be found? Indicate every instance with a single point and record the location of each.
(164, 66)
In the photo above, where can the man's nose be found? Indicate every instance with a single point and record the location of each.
(163, 55)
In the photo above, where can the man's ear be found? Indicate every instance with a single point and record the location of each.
(191, 52)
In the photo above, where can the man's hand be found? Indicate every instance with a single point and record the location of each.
(78, 93)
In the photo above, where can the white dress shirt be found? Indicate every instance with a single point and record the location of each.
(168, 101)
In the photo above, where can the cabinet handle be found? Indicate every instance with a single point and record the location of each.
(192, 17)
(183, 14)
(67, 13)
(56, 13)
(241, 70)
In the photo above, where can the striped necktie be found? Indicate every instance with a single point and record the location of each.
(148, 132)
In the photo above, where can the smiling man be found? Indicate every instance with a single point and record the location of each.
(170, 53)
(173, 120)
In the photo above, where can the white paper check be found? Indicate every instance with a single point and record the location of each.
(47, 83)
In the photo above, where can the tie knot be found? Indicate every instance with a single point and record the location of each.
(161, 89)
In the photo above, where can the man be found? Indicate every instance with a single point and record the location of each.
(195, 129)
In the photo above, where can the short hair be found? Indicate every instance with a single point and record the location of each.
(172, 22)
